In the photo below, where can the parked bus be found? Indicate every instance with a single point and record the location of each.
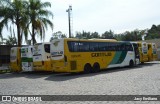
(78, 55)
(143, 50)
(42, 57)
(15, 59)
(152, 52)
(27, 58)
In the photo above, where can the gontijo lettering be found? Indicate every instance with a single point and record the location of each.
(101, 54)
(57, 53)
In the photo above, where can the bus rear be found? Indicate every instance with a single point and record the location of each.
(152, 52)
(59, 61)
(143, 49)
(15, 59)
(155, 54)
(41, 57)
(27, 58)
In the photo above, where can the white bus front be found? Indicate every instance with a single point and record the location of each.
(41, 57)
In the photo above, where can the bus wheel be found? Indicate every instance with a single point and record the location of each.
(131, 63)
(96, 67)
(87, 68)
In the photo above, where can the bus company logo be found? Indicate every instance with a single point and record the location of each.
(58, 53)
(56, 43)
(6, 98)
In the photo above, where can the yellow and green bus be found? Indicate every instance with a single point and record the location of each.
(15, 59)
(152, 52)
(143, 51)
(82, 55)
(42, 57)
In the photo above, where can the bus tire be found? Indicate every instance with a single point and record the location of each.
(96, 67)
(131, 63)
(87, 68)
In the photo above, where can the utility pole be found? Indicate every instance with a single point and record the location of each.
(69, 19)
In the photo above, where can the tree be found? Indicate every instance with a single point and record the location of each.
(13, 12)
(95, 35)
(38, 16)
(57, 35)
(10, 41)
(108, 35)
(154, 32)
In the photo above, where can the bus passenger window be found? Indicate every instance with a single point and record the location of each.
(94, 46)
(47, 48)
(73, 46)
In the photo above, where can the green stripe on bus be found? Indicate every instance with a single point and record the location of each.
(25, 59)
(116, 57)
(122, 57)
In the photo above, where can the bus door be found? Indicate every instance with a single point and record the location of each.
(137, 53)
(47, 57)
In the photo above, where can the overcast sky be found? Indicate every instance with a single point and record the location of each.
(103, 15)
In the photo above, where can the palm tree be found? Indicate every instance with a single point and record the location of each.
(38, 17)
(15, 13)
(10, 41)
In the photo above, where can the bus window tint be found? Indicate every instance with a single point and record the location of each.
(129, 47)
(47, 48)
(98, 46)
(102, 46)
(73, 46)
(93, 46)
(83, 46)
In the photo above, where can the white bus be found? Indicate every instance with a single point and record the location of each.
(27, 58)
(42, 57)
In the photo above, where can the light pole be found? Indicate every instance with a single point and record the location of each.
(69, 20)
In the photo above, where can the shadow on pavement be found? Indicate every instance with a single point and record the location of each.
(51, 76)
(69, 76)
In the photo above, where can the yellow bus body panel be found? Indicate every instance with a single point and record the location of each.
(38, 66)
(151, 56)
(16, 65)
(83, 58)
(143, 57)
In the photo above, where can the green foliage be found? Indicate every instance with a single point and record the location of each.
(12, 12)
(108, 35)
(38, 15)
(154, 32)
(25, 14)
(58, 35)
(10, 41)
(135, 35)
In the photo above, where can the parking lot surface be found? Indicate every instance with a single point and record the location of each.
(139, 80)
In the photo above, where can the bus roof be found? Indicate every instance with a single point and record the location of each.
(94, 40)
(42, 43)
